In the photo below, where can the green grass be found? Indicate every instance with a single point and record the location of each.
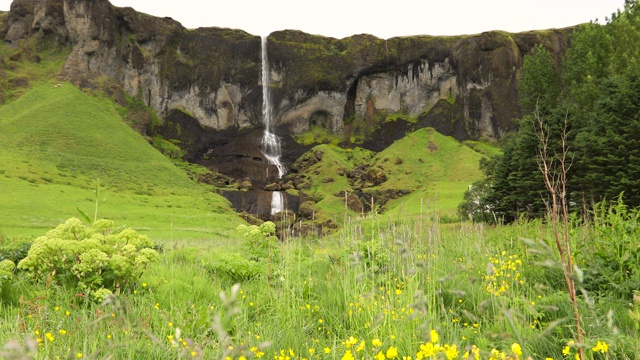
(58, 142)
(390, 282)
(436, 169)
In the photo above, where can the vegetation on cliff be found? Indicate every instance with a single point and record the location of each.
(594, 94)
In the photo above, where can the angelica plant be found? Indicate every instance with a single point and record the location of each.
(94, 258)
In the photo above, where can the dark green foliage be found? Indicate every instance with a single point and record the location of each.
(540, 82)
(597, 106)
(14, 249)
(613, 259)
(235, 268)
(474, 206)
(610, 151)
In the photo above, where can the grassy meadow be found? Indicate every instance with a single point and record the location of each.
(377, 289)
(396, 283)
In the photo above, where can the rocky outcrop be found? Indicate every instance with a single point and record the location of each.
(464, 86)
(209, 73)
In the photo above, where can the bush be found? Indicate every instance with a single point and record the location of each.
(614, 259)
(91, 258)
(7, 267)
(260, 242)
(234, 268)
(14, 250)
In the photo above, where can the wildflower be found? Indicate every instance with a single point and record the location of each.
(348, 355)
(57, 308)
(194, 354)
(566, 350)
(109, 336)
(144, 284)
(376, 342)
(250, 303)
(601, 347)
(516, 349)
(475, 351)
(311, 351)
(49, 336)
(170, 324)
(451, 352)
(426, 350)
(291, 352)
(350, 341)
(398, 291)
(392, 352)
(379, 356)
(62, 331)
(79, 356)
(67, 312)
(157, 306)
(327, 350)
(434, 336)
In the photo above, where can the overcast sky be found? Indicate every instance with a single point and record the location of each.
(341, 18)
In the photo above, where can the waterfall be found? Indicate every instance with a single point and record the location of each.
(271, 148)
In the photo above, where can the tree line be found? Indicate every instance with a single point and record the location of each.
(592, 95)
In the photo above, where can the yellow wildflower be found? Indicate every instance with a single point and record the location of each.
(451, 351)
(434, 336)
(392, 352)
(516, 349)
(601, 347)
(379, 356)
(350, 341)
(348, 355)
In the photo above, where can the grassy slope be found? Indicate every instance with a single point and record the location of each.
(436, 168)
(56, 142)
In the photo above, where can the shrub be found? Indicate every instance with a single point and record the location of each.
(260, 242)
(91, 258)
(234, 268)
(7, 268)
(614, 260)
(15, 249)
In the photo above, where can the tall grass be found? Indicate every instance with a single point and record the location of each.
(377, 287)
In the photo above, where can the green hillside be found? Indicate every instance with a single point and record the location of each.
(437, 168)
(58, 144)
(432, 169)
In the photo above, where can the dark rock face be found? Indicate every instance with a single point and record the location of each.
(258, 202)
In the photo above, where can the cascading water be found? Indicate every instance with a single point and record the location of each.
(270, 142)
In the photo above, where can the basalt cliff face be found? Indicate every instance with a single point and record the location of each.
(206, 85)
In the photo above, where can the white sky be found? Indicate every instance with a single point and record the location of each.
(341, 18)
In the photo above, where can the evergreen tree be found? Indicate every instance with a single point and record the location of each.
(610, 150)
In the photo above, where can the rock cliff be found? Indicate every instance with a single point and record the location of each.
(205, 83)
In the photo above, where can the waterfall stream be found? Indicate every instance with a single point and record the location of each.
(271, 148)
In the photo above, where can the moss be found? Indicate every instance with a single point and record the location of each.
(317, 135)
